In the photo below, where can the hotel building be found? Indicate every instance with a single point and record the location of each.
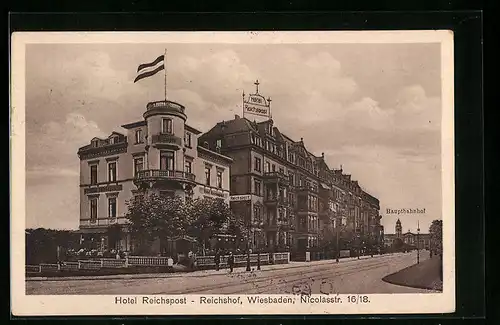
(160, 154)
(289, 198)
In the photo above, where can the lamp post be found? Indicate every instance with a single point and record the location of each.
(248, 251)
(418, 242)
(338, 245)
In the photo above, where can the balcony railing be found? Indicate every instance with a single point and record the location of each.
(276, 177)
(272, 199)
(158, 174)
(166, 139)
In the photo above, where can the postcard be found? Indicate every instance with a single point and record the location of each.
(211, 173)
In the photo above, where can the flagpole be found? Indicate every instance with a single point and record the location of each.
(165, 72)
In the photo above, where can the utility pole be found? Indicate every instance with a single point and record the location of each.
(418, 242)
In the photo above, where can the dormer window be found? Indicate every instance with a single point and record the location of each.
(218, 143)
(95, 143)
(166, 126)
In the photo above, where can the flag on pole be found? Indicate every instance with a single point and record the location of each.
(149, 69)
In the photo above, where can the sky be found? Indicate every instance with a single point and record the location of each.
(375, 109)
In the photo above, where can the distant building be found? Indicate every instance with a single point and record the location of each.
(159, 153)
(289, 197)
(408, 238)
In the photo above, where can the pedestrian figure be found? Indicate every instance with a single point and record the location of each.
(217, 260)
(230, 262)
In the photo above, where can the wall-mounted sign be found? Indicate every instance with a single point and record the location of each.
(234, 198)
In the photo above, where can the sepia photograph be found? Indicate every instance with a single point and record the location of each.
(247, 173)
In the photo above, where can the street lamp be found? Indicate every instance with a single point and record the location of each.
(248, 250)
(338, 245)
(418, 242)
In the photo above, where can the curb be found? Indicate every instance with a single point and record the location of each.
(188, 274)
(406, 285)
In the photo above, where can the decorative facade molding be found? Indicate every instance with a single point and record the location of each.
(107, 150)
(112, 194)
(106, 188)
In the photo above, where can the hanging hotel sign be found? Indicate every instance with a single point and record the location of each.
(256, 104)
(234, 198)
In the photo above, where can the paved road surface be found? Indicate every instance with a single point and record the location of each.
(356, 276)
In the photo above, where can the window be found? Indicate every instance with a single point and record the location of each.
(188, 166)
(112, 172)
(93, 174)
(257, 188)
(258, 164)
(268, 167)
(257, 213)
(138, 165)
(187, 139)
(95, 143)
(112, 207)
(138, 136)
(274, 168)
(166, 126)
(219, 178)
(207, 175)
(219, 143)
(282, 171)
(166, 160)
(93, 208)
(112, 140)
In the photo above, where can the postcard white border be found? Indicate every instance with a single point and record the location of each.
(65, 305)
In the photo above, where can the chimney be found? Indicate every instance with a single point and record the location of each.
(223, 126)
(236, 117)
(322, 155)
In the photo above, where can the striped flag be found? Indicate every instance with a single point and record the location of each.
(149, 69)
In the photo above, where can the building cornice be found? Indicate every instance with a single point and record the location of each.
(89, 152)
(205, 153)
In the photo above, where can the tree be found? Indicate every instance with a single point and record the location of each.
(208, 217)
(398, 245)
(41, 244)
(114, 235)
(436, 236)
(157, 217)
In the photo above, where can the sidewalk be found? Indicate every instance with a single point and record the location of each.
(203, 273)
(424, 275)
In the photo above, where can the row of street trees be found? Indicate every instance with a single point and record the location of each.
(163, 217)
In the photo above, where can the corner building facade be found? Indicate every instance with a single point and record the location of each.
(289, 198)
(158, 154)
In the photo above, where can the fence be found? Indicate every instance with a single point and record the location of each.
(147, 261)
(203, 262)
(281, 258)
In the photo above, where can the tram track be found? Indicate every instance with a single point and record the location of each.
(254, 281)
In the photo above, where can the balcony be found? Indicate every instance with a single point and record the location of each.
(152, 175)
(166, 141)
(306, 189)
(275, 200)
(275, 177)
